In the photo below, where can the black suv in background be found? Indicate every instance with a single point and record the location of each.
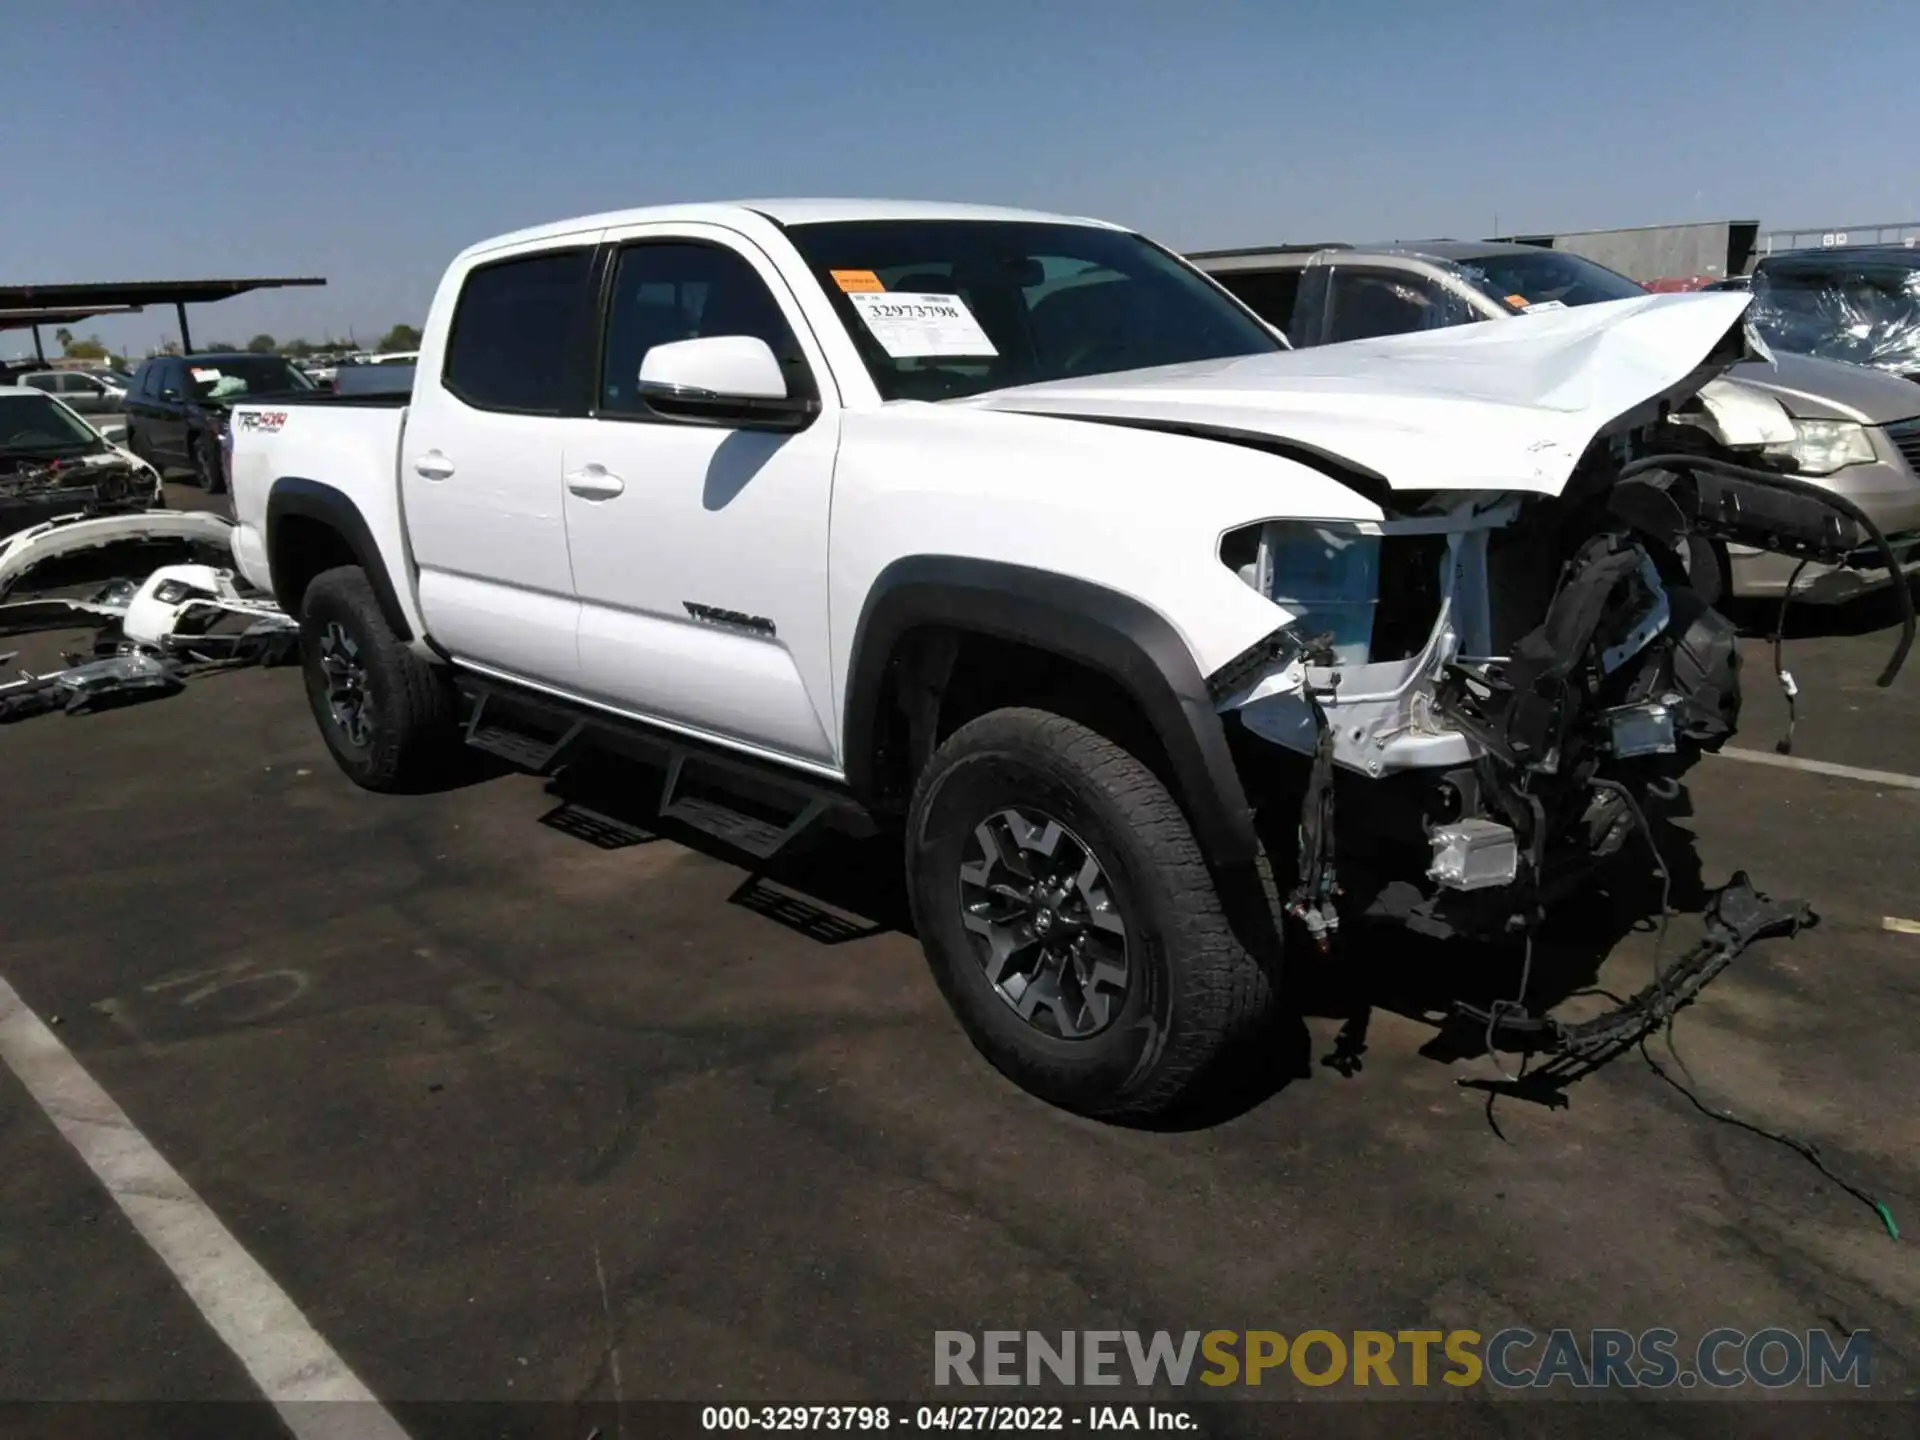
(177, 406)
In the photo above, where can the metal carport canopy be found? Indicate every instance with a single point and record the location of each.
(100, 298)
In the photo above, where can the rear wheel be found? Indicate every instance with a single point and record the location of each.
(386, 714)
(1071, 922)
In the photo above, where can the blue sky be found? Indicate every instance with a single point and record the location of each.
(368, 141)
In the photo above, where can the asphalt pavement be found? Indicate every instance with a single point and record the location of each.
(513, 1116)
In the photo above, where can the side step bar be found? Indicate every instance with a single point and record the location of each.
(512, 739)
(758, 808)
(762, 839)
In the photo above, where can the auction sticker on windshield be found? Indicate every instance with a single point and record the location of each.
(857, 281)
(911, 327)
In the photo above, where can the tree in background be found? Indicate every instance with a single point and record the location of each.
(261, 345)
(90, 348)
(63, 337)
(400, 337)
(297, 349)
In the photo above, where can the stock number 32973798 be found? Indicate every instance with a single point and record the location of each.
(982, 1419)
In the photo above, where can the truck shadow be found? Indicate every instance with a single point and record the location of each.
(834, 889)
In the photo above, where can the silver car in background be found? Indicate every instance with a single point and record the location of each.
(88, 392)
(1850, 429)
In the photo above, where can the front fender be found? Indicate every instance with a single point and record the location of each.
(1087, 624)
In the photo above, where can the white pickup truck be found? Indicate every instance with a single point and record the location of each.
(1018, 532)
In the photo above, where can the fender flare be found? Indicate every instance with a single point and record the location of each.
(1089, 624)
(295, 496)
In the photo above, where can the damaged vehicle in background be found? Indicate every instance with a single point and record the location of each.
(53, 463)
(1848, 429)
(1154, 640)
(1858, 303)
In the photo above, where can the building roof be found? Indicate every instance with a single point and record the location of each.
(27, 318)
(97, 297)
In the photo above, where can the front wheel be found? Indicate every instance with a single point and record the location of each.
(386, 714)
(1071, 922)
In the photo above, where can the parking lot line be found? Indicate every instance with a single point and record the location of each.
(1890, 778)
(294, 1367)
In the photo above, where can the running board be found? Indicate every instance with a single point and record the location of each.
(762, 839)
(513, 739)
(758, 808)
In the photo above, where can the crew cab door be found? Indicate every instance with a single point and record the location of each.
(502, 363)
(700, 547)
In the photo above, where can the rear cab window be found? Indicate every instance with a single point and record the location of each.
(517, 326)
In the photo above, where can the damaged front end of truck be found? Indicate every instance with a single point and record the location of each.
(1481, 695)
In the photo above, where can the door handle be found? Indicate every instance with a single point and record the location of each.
(595, 482)
(433, 466)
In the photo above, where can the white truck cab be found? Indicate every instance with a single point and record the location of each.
(1018, 533)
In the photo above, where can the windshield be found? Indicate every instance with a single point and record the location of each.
(36, 425)
(228, 377)
(1547, 279)
(1864, 313)
(944, 308)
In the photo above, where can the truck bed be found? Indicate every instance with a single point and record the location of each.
(345, 444)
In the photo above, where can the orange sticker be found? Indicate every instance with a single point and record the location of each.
(1519, 300)
(857, 281)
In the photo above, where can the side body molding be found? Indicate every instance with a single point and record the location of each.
(1088, 624)
(293, 497)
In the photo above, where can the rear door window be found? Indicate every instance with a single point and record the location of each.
(513, 328)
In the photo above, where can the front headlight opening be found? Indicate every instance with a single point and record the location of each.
(1327, 574)
(1820, 447)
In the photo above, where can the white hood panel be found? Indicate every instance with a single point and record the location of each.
(1475, 407)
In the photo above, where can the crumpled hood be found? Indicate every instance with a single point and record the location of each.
(1475, 407)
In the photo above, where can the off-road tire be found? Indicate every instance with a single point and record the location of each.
(412, 740)
(1195, 997)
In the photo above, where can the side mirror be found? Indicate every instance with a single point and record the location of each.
(722, 380)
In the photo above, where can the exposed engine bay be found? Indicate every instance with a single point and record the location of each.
(1486, 691)
(35, 489)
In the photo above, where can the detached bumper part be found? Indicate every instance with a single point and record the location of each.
(91, 685)
(1737, 916)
